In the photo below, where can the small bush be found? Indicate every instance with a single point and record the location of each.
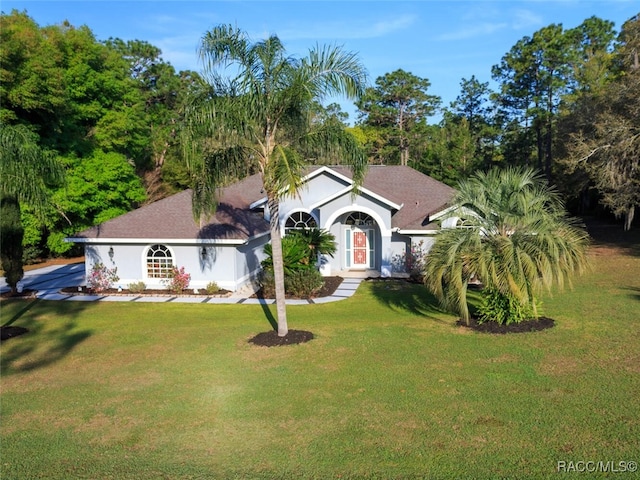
(178, 280)
(503, 309)
(267, 283)
(101, 277)
(137, 287)
(31, 254)
(212, 288)
(303, 283)
(295, 254)
(412, 262)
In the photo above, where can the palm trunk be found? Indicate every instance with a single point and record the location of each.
(278, 266)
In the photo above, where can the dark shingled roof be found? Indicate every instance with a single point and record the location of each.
(420, 195)
(171, 218)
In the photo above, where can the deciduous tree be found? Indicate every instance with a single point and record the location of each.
(604, 126)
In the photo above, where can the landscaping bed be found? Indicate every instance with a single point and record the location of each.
(83, 290)
(329, 286)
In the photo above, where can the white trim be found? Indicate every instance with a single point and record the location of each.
(384, 232)
(304, 179)
(362, 191)
(170, 241)
(441, 213)
(257, 203)
(145, 272)
(417, 232)
(345, 190)
(286, 216)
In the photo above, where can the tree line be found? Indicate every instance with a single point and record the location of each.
(112, 113)
(567, 104)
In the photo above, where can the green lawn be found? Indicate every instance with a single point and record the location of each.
(390, 388)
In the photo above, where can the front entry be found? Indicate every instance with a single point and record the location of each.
(359, 244)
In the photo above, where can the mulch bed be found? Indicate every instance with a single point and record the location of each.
(294, 337)
(271, 338)
(330, 285)
(147, 292)
(24, 294)
(533, 325)
(10, 332)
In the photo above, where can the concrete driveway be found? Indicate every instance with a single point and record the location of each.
(50, 279)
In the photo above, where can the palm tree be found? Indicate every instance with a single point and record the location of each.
(25, 170)
(514, 237)
(318, 240)
(255, 114)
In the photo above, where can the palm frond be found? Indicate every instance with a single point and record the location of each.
(25, 169)
(518, 239)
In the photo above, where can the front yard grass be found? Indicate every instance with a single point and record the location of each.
(389, 388)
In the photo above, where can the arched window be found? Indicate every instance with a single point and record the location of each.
(299, 220)
(159, 261)
(359, 219)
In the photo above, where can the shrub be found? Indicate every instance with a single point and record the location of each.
(212, 288)
(303, 283)
(503, 309)
(101, 277)
(137, 287)
(317, 240)
(178, 280)
(412, 263)
(267, 283)
(295, 254)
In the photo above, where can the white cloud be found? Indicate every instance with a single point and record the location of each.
(474, 31)
(525, 19)
(180, 51)
(477, 23)
(356, 29)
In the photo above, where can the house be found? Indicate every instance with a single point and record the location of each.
(395, 208)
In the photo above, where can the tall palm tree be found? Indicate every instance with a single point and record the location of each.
(254, 113)
(25, 170)
(514, 237)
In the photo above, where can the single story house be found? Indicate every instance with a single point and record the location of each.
(395, 209)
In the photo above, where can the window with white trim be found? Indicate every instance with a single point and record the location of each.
(300, 221)
(359, 219)
(159, 261)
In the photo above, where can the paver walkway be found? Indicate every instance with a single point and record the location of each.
(48, 281)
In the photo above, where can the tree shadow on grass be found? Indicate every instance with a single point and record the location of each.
(400, 294)
(264, 303)
(608, 234)
(634, 292)
(51, 334)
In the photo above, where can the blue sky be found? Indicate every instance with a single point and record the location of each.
(443, 41)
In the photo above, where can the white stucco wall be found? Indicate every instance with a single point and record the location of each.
(230, 266)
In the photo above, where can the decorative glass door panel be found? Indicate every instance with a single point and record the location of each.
(359, 248)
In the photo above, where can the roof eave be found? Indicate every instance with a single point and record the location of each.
(171, 241)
